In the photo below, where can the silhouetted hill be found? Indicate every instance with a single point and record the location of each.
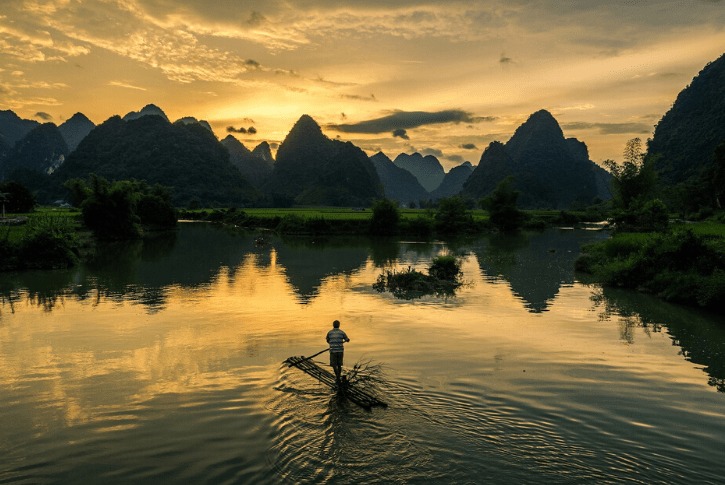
(42, 150)
(453, 181)
(346, 178)
(265, 153)
(549, 170)
(149, 109)
(13, 128)
(186, 157)
(688, 133)
(75, 129)
(313, 169)
(190, 120)
(428, 170)
(399, 184)
(252, 167)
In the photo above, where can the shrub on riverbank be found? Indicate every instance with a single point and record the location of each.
(679, 266)
(441, 280)
(46, 243)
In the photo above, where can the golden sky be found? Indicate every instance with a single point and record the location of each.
(441, 78)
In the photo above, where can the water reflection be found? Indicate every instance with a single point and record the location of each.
(535, 264)
(700, 339)
(308, 261)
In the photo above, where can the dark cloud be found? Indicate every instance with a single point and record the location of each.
(274, 146)
(455, 158)
(610, 128)
(401, 133)
(251, 130)
(432, 151)
(406, 120)
(468, 146)
(256, 19)
(356, 97)
(43, 116)
(252, 63)
(505, 60)
(248, 120)
(343, 116)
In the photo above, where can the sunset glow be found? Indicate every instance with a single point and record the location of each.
(606, 71)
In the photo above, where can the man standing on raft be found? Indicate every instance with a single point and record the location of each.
(336, 338)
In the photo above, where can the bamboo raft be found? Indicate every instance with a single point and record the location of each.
(358, 396)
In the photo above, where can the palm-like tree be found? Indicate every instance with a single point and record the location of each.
(4, 197)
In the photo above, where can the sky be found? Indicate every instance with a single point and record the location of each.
(439, 78)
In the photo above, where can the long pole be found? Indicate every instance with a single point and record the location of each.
(311, 356)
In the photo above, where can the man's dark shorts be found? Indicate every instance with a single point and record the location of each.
(336, 358)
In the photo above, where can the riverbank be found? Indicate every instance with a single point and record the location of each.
(425, 223)
(686, 264)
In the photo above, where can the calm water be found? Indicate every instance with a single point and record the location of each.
(161, 362)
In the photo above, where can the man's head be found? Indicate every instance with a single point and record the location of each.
(336, 324)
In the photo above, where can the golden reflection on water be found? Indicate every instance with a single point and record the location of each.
(106, 353)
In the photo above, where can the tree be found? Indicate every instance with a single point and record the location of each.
(411, 204)
(716, 175)
(635, 178)
(385, 217)
(113, 210)
(15, 197)
(453, 216)
(501, 205)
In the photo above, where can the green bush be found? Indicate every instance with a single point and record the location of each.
(292, 224)
(680, 266)
(445, 268)
(385, 218)
(48, 243)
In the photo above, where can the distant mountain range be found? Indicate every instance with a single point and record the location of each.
(428, 170)
(252, 167)
(398, 182)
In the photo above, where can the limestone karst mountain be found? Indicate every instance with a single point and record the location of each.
(686, 136)
(312, 169)
(428, 170)
(264, 152)
(452, 183)
(75, 129)
(550, 171)
(186, 157)
(254, 169)
(149, 109)
(399, 183)
(42, 150)
(190, 120)
(13, 128)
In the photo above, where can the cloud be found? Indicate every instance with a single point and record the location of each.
(274, 146)
(455, 158)
(610, 128)
(432, 151)
(401, 133)
(42, 115)
(407, 120)
(505, 60)
(468, 146)
(251, 130)
(356, 97)
(121, 84)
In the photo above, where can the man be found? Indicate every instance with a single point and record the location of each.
(336, 338)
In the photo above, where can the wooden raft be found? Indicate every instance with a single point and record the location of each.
(358, 396)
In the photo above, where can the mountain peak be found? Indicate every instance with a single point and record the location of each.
(149, 109)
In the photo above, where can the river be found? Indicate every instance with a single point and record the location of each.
(160, 361)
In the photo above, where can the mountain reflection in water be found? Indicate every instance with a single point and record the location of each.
(159, 361)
